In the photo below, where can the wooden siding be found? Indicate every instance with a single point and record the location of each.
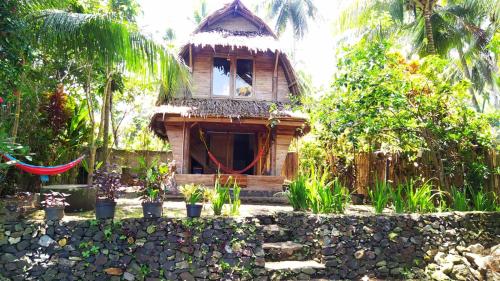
(233, 23)
(175, 135)
(267, 183)
(282, 143)
(202, 74)
(283, 90)
(263, 88)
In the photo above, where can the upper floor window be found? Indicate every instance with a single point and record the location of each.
(221, 77)
(244, 78)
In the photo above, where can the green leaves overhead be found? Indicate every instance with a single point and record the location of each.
(113, 43)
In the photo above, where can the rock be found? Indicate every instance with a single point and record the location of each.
(21, 246)
(381, 263)
(447, 268)
(186, 276)
(454, 259)
(478, 261)
(7, 258)
(62, 242)
(66, 262)
(13, 240)
(45, 241)
(475, 249)
(439, 257)
(359, 254)
(439, 276)
(101, 260)
(128, 276)
(460, 272)
(182, 265)
(114, 271)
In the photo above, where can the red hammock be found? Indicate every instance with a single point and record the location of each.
(42, 170)
(227, 169)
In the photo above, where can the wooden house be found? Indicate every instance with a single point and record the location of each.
(236, 118)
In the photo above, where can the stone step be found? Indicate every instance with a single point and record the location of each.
(275, 233)
(295, 270)
(285, 251)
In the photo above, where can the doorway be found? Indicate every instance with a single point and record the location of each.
(243, 152)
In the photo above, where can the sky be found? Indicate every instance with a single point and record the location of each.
(314, 53)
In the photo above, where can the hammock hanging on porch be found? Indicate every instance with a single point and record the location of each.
(42, 170)
(227, 169)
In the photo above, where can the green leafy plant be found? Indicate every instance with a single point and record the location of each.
(297, 193)
(153, 181)
(218, 196)
(397, 199)
(380, 195)
(419, 199)
(483, 201)
(193, 193)
(324, 196)
(459, 200)
(234, 200)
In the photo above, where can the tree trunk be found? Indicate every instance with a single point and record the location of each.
(92, 146)
(106, 112)
(467, 74)
(427, 10)
(17, 116)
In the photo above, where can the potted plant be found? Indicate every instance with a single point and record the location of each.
(193, 195)
(107, 183)
(54, 204)
(154, 189)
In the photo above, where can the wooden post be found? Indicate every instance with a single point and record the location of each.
(185, 149)
(191, 58)
(272, 149)
(275, 76)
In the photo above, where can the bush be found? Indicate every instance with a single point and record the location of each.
(459, 201)
(419, 199)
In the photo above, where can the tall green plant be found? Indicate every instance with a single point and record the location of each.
(380, 195)
(297, 193)
(419, 199)
(324, 196)
(397, 199)
(459, 200)
(483, 201)
(235, 201)
(218, 196)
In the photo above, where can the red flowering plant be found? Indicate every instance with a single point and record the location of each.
(108, 183)
(55, 199)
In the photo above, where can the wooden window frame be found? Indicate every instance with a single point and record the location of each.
(232, 81)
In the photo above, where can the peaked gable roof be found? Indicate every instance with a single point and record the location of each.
(262, 39)
(235, 8)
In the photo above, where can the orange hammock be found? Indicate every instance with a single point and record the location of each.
(227, 169)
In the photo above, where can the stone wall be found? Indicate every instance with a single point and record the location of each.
(395, 246)
(346, 246)
(132, 249)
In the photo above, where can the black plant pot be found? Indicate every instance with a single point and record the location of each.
(54, 213)
(105, 209)
(152, 209)
(193, 210)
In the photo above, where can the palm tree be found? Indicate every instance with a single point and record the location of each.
(439, 29)
(107, 42)
(296, 13)
(200, 13)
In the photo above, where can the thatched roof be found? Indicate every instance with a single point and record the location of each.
(227, 108)
(262, 40)
(223, 108)
(254, 42)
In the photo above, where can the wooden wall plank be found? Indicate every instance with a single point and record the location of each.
(282, 143)
(175, 138)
